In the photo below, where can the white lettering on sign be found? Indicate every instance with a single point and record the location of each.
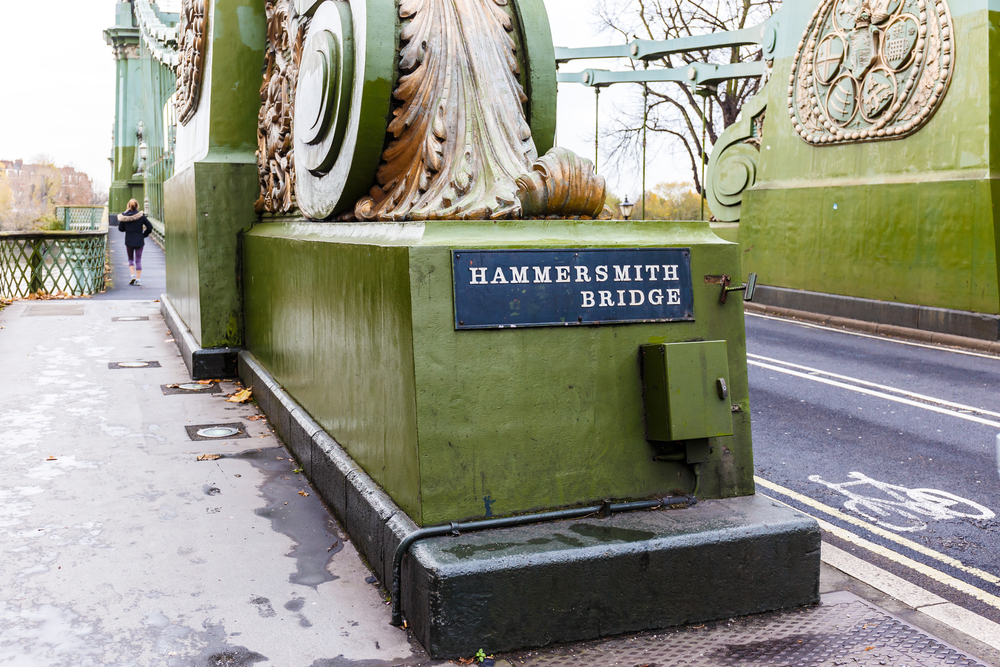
(637, 297)
(498, 277)
(606, 300)
(602, 274)
(673, 297)
(478, 275)
(588, 299)
(519, 275)
(656, 297)
(653, 269)
(670, 272)
(582, 274)
(638, 273)
(621, 297)
(542, 276)
(622, 273)
(562, 274)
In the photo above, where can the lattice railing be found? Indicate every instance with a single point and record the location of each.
(50, 262)
(81, 218)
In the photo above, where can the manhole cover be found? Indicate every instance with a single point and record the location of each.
(131, 318)
(218, 432)
(134, 364)
(232, 431)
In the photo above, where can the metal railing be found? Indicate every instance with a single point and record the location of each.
(81, 218)
(71, 262)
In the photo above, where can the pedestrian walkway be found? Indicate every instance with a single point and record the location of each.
(154, 270)
(148, 521)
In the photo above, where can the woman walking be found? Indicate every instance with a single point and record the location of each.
(136, 227)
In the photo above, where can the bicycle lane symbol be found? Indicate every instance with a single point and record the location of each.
(916, 505)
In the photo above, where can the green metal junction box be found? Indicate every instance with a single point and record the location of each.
(489, 368)
(686, 391)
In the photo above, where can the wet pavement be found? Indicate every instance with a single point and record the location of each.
(130, 536)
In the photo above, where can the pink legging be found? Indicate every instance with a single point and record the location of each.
(134, 257)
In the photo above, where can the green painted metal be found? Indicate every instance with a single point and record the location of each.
(81, 218)
(696, 74)
(538, 71)
(209, 200)
(356, 322)
(683, 395)
(912, 220)
(71, 262)
(645, 49)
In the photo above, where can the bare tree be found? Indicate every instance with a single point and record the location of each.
(675, 111)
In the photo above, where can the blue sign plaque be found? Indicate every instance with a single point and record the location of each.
(500, 289)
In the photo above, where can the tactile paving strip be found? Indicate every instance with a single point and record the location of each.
(847, 632)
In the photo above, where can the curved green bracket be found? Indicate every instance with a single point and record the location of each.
(540, 61)
(732, 169)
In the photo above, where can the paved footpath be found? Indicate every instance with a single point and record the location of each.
(118, 546)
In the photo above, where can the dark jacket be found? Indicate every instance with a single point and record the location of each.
(136, 228)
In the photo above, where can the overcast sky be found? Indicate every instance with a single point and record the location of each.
(59, 88)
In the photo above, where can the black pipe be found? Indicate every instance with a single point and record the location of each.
(605, 509)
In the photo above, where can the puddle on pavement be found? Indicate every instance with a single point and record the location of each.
(302, 518)
(463, 551)
(611, 533)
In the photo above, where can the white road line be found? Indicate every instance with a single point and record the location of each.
(939, 348)
(876, 394)
(922, 397)
(877, 530)
(926, 570)
(914, 596)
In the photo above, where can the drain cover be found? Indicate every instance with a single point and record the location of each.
(131, 318)
(190, 388)
(134, 364)
(216, 431)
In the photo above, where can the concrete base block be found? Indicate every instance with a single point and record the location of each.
(564, 581)
(202, 364)
(940, 320)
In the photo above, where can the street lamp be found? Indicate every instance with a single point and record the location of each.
(626, 208)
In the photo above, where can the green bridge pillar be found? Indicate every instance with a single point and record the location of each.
(126, 181)
(210, 198)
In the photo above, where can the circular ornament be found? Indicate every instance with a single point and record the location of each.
(870, 70)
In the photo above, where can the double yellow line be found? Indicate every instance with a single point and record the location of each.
(905, 561)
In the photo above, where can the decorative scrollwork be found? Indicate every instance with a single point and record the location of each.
(275, 149)
(561, 183)
(461, 134)
(732, 169)
(870, 70)
(192, 46)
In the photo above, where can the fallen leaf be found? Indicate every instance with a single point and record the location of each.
(52, 458)
(464, 661)
(172, 386)
(870, 648)
(207, 381)
(303, 494)
(254, 418)
(297, 470)
(241, 396)
(209, 457)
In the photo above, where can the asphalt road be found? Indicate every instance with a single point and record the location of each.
(892, 444)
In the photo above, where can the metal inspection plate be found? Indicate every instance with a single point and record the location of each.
(133, 365)
(230, 431)
(843, 630)
(191, 388)
(131, 318)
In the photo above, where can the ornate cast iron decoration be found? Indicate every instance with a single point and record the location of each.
(192, 46)
(870, 70)
(461, 134)
(275, 152)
